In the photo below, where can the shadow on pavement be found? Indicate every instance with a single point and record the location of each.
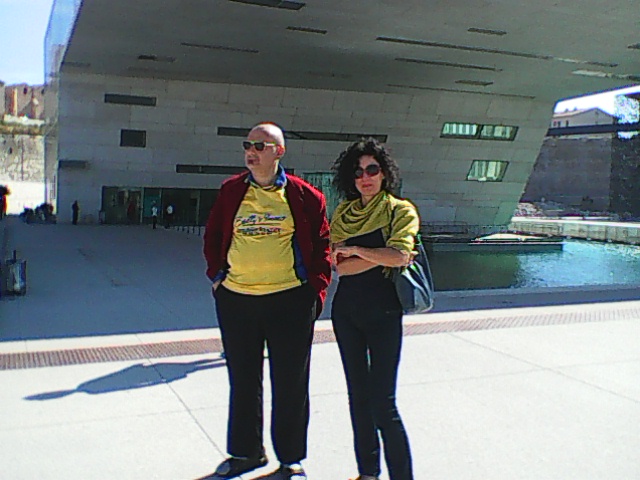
(136, 376)
(268, 476)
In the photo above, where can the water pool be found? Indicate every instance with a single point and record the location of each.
(579, 263)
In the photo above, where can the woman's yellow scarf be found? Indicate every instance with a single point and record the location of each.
(351, 219)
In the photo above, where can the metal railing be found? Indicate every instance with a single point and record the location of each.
(191, 229)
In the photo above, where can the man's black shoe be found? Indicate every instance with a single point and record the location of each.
(289, 472)
(235, 466)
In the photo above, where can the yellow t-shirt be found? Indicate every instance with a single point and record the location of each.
(261, 257)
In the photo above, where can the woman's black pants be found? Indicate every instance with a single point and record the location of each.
(370, 343)
(284, 321)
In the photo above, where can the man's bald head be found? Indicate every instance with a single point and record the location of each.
(273, 131)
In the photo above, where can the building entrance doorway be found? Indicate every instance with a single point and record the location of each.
(132, 205)
(121, 205)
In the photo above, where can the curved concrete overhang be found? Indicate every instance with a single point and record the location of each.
(400, 69)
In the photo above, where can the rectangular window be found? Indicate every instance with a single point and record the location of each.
(133, 138)
(460, 130)
(487, 170)
(477, 131)
(129, 100)
(498, 132)
(73, 164)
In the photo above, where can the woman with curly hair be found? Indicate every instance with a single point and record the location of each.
(372, 232)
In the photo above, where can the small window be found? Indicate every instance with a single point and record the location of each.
(460, 130)
(133, 138)
(487, 170)
(498, 132)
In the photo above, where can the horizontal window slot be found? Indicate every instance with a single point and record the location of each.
(129, 100)
(299, 135)
(214, 169)
(73, 164)
(282, 4)
(448, 64)
(209, 169)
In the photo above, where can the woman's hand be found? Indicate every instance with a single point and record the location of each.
(346, 252)
(410, 258)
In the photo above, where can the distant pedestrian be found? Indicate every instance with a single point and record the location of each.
(132, 211)
(75, 212)
(154, 215)
(168, 218)
(4, 191)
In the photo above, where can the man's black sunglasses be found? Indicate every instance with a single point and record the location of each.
(371, 171)
(259, 146)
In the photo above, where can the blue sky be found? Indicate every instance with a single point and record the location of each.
(24, 23)
(22, 49)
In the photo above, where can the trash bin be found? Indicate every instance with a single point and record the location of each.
(16, 272)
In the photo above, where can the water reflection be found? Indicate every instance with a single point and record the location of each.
(580, 263)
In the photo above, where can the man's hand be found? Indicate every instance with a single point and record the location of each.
(215, 285)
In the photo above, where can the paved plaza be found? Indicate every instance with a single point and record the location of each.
(110, 369)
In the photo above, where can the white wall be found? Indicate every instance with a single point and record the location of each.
(22, 170)
(182, 128)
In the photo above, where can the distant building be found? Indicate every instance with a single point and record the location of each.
(579, 118)
(24, 100)
(22, 145)
(2, 101)
(585, 171)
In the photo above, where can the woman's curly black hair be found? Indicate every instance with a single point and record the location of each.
(346, 164)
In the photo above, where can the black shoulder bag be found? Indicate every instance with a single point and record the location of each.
(414, 283)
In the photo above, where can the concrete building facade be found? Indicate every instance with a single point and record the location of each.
(193, 132)
(160, 113)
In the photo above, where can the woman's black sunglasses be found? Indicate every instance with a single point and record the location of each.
(259, 146)
(371, 171)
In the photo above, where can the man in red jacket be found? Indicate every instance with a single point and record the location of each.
(267, 249)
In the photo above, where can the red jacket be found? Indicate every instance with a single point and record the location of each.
(308, 208)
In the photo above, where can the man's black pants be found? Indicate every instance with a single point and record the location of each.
(283, 320)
